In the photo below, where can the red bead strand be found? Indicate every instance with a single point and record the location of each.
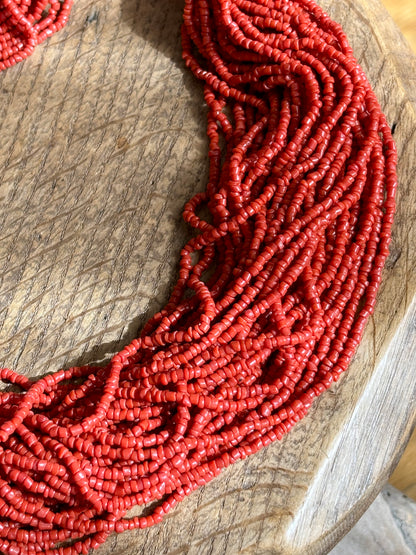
(273, 292)
(26, 23)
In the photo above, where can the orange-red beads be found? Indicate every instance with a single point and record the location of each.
(26, 23)
(273, 292)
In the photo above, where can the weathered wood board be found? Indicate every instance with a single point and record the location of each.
(403, 13)
(103, 140)
(388, 526)
(404, 475)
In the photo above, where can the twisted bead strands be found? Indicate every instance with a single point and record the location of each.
(26, 23)
(272, 297)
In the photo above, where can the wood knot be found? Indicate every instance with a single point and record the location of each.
(123, 144)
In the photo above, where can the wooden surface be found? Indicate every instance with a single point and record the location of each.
(103, 139)
(404, 475)
(403, 13)
(388, 527)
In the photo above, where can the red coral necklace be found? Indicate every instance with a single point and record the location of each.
(272, 297)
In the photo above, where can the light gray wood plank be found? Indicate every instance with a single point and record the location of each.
(388, 527)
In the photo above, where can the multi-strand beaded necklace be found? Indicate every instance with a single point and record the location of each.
(273, 292)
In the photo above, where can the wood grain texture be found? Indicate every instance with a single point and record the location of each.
(388, 527)
(103, 139)
(403, 13)
(404, 475)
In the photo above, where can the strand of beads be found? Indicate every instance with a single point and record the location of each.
(26, 23)
(271, 301)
